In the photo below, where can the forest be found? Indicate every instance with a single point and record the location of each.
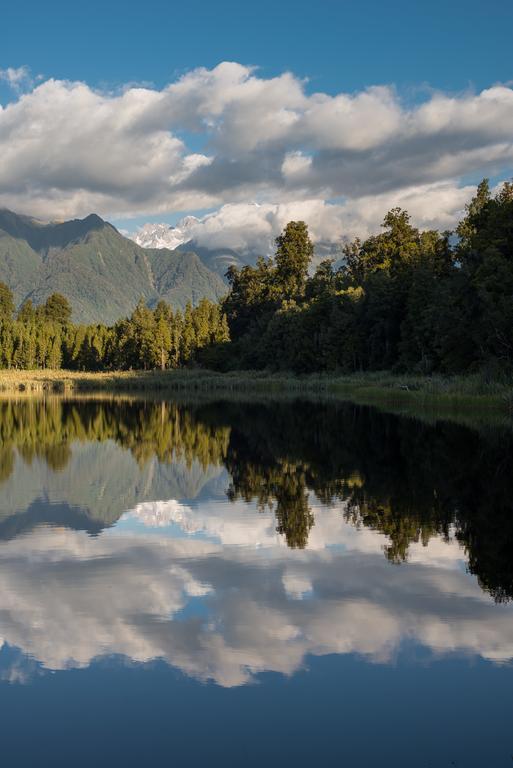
(404, 300)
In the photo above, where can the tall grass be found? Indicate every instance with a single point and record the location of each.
(472, 400)
(373, 384)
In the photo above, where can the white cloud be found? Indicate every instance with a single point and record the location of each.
(68, 149)
(252, 228)
(295, 165)
(18, 78)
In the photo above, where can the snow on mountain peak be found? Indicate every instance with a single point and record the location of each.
(163, 235)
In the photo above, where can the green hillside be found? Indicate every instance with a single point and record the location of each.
(101, 273)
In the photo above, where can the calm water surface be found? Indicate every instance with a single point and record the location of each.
(237, 584)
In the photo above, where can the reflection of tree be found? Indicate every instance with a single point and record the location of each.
(293, 513)
(47, 428)
(402, 529)
(407, 479)
(6, 462)
(263, 470)
(282, 488)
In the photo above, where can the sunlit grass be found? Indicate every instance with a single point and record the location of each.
(472, 390)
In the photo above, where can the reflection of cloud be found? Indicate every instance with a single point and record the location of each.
(296, 584)
(221, 522)
(66, 598)
(243, 525)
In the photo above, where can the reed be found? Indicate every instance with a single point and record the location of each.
(465, 391)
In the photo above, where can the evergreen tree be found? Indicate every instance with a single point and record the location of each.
(27, 313)
(162, 342)
(188, 336)
(6, 302)
(57, 309)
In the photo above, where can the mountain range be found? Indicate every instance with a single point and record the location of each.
(183, 237)
(102, 273)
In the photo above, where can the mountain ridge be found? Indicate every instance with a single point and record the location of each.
(183, 236)
(102, 273)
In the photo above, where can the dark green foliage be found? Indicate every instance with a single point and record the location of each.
(149, 339)
(486, 255)
(403, 300)
(294, 252)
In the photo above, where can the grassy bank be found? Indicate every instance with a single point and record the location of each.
(462, 392)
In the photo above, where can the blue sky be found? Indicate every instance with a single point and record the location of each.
(338, 44)
(126, 109)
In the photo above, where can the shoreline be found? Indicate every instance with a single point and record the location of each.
(459, 393)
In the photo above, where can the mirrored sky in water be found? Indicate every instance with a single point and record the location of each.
(226, 542)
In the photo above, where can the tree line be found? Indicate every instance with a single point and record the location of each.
(402, 300)
(44, 337)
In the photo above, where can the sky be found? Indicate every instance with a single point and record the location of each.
(333, 111)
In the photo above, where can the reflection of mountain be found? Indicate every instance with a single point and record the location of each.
(204, 579)
(101, 481)
(409, 480)
(41, 511)
(98, 460)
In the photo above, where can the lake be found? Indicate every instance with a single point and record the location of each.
(277, 583)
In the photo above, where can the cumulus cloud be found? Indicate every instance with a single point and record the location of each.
(252, 228)
(68, 149)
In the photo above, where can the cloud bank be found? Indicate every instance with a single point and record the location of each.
(225, 137)
(253, 227)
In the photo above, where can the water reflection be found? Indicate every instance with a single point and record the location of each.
(215, 535)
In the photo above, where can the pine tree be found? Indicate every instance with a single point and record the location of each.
(188, 337)
(162, 343)
(6, 302)
(26, 313)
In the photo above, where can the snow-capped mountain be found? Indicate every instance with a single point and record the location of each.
(183, 237)
(165, 236)
(235, 235)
